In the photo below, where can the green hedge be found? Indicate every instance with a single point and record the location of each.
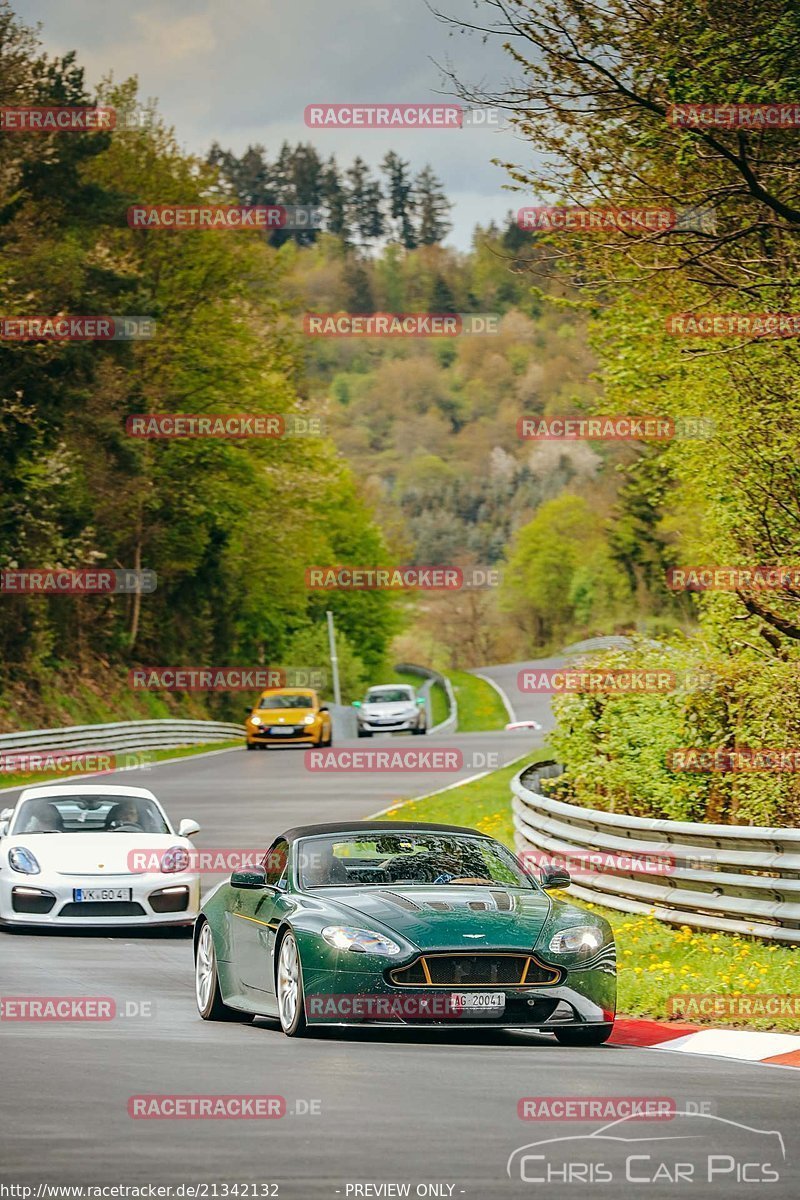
(616, 747)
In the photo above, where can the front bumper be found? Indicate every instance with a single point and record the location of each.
(48, 900)
(302, 735)
(406, 725)
(367, 998)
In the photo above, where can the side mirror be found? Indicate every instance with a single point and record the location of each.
(324, 708)
(3, 828)
(356, 704)
(248, 711)
(554, 877)
(188, 828)
(255, 878)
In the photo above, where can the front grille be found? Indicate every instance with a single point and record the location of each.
(498, 970)
(292, 731)
(103, 908)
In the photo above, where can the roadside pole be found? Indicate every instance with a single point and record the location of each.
(337, 695)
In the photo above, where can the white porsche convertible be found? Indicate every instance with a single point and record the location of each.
(77, 854)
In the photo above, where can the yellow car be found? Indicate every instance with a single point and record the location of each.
(289, 716)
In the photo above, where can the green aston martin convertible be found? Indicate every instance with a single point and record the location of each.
(380, 923)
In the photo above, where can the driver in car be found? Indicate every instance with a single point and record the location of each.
(45, 819)
(125, 815)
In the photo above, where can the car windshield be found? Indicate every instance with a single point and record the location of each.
(286, 702)
(387, 695)
(89, 814)
(408, 858)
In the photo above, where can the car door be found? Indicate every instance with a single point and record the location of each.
(254, 921)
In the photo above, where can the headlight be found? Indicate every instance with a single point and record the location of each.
(175, 859)
(581, 939)
(309, 720)
(254, 720)
(363, 941)
(20, 859)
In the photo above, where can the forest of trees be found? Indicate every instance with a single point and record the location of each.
(399, 206)
(227, 526)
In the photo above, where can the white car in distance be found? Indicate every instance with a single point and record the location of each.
(74, 855)
(391, 708)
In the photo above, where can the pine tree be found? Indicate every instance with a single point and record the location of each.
(334, 198)
(400, 195)
(364, 200)
(433, 208)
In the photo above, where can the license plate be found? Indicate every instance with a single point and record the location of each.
(478, 1004)
(83, 895)
(280, 729)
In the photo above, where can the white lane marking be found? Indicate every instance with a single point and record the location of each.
(743, 1044)
(512, 716)
(447, 788)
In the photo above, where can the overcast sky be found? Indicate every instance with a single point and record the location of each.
(243, 72)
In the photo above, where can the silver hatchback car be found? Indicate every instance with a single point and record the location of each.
(391, 708)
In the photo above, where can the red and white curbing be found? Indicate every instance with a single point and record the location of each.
(773, 1049)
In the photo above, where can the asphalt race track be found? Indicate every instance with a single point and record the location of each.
(373, 1108)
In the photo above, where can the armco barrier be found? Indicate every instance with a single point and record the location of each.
(734, 878)
(123, 735)
(450, 723)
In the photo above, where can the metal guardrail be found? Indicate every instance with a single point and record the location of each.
(450, 722)
(122, 735)
(734, 878)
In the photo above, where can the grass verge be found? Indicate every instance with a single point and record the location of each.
(135, 760)
(479, 706)
(656, 961)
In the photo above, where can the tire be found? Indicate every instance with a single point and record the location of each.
(206, 982)
(364, 733)
(252, 746)
(419, 729)
(584, 1035)
(289, 988)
